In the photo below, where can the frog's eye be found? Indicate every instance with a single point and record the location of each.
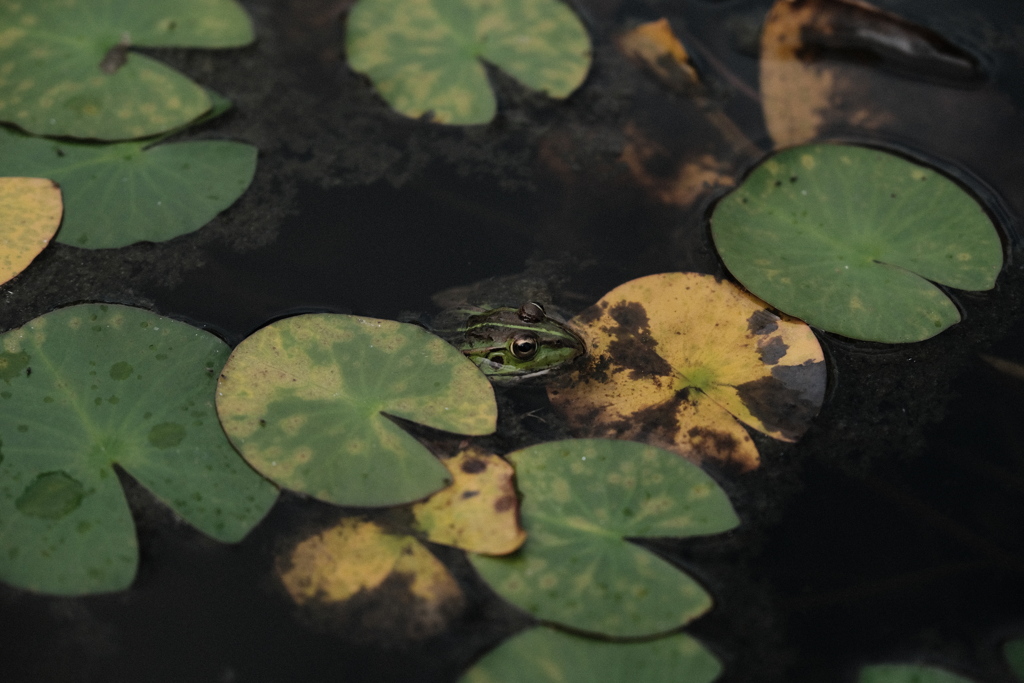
(524, 346)
(531, 312)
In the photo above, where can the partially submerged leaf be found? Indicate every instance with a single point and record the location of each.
(1013, 650)
(69, 70)
(425, 57)
(30, 211)
(544, 655)
(90, 386)
(358, 558)
(677, 358)
(581, 500)
(128, 192)
(478, 512)
(305, 400)
(847, 239)
(908, 673)
(654, 45)
(805, 86)
(692, 179)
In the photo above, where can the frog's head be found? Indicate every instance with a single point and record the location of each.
(510, 344)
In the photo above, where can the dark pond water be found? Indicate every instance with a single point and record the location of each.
(893, 531)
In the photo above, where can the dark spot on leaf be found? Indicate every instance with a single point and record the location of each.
(469, 494)
(11, 365)
(590, 315)
(504, 503)
(166, 434)
(762, 322)
(714, 443)
(51, 496)
(787, 401)
(632, 346)
(473, 466)
(792, 178)
(121, 370)
(774, 350)
(115, 58)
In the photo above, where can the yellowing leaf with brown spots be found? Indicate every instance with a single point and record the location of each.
(677, 358)
(390, 580)
(654, 45)
(478, 512)
(30, 211)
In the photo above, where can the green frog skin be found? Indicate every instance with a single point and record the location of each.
(512, 344)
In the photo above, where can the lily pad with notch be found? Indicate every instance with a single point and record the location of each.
(581, 500)
(122, 193)
(69, 69)
(544, 655)
(680, 360)
(91, 386)
(424, 56)
(30, 211)
(851, 240)
(306, 401)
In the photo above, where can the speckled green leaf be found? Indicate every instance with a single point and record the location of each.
(118, 194)
(544, 655)
(90, 386)
(850, 240)
(424, 56)
(66, 67)
(1013, 650)
(581, 499)
(305, 400)
(908, 673)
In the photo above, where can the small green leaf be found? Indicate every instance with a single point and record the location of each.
(305, 400)
(122, 193)
(847, 239)
(90, 386)
(424, 56)
(544, 655)
(908, 673)
(68, 69)
(1013, 650)
(581, 499)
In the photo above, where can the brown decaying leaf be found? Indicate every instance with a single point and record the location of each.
(677, 358)
(804, 88)
(657, 48)
(1007, 367)
(692, 179)
(479, 511)
(30, 213)
(358, 559)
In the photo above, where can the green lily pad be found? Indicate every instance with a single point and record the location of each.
(1013, 650)
(118, 194)
(424, 56)
(542, 655)
(581, 499)
(67, 69)
(848, 238)
(306, 399)
(91, 386)
(908, 673)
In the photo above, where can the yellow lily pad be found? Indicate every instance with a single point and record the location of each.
(402, 583)
(479, 511)
(679, 360)
(30, 212)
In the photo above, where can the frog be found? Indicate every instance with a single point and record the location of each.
(511, 344)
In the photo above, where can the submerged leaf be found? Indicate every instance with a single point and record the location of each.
(69, 70)
(847, 239)
(908, 673)
(424, 57)
(654, 45)
(306, 401)
(30, 211)
(478, 512)
(90, 386)
(357, 558)
(1013, 650)
(544, 655)
(581, 500)
(677, 358)
(128, 192)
